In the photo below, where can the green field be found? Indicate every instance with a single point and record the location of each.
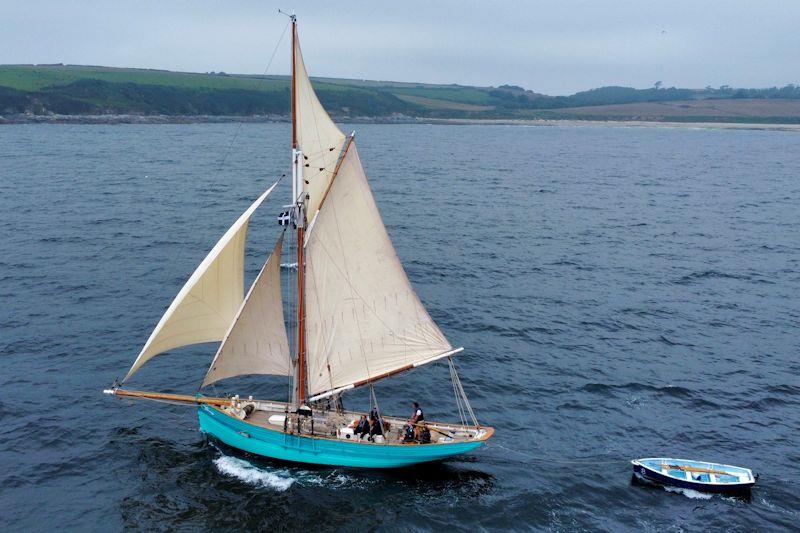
(29, 78)
(27, 90)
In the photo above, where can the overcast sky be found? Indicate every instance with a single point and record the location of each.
(554, 47)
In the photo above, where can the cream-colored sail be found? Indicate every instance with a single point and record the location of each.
(207, 304)
(363, 318)
(317, 136)
(256, 342)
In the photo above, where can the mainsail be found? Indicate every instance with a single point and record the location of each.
(363, 319)
(209, 301)
(256, 342)
(317, 136)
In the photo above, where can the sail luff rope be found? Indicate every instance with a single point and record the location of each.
(289, 304)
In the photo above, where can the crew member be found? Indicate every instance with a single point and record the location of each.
(416, 419)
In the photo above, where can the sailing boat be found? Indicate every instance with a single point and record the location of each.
(358, 319)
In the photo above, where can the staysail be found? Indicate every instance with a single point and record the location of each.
(363, 319)
(256, 342)
(207, 304)
(317, 136)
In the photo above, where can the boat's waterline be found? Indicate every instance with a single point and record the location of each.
(324, 451)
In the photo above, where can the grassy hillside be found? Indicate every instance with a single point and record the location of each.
(90, 90)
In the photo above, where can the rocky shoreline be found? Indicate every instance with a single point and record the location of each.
(112, 119)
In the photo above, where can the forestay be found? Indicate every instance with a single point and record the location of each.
(317, 136)
(363, 318)
(209, 301)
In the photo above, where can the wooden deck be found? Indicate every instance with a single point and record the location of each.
(327, 423)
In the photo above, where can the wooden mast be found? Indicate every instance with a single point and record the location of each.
(301, 326)
(294, 90)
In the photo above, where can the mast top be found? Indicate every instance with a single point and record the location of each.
(291, 15)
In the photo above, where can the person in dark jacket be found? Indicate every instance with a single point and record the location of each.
(425, 435)
(363, 427)
(408, 433)
(374, 428)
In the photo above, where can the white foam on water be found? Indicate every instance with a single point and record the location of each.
(283, 478)
(690, 493)
(775, 507)
(252, 475)
(334, 479)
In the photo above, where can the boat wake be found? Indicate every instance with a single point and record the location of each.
(690, 493)
(252, 475)
(280, 479)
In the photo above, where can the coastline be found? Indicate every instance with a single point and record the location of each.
(256, 119)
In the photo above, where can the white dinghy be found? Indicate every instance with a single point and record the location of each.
(697, 475)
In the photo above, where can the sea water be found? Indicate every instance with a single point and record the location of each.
(620, 292)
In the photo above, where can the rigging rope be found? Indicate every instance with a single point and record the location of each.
(461, 415)
(375, 401)
(258, 87)
(462, 401)
(290, 304)
(533, 458)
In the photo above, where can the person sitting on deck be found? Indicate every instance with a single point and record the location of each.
(425, 435)
(374, 428)
(362, 428)
(408, 433)
(416, 419)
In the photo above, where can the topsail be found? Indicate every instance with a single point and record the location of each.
(317, 137)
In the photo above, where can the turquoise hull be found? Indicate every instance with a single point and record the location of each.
(321, 451)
